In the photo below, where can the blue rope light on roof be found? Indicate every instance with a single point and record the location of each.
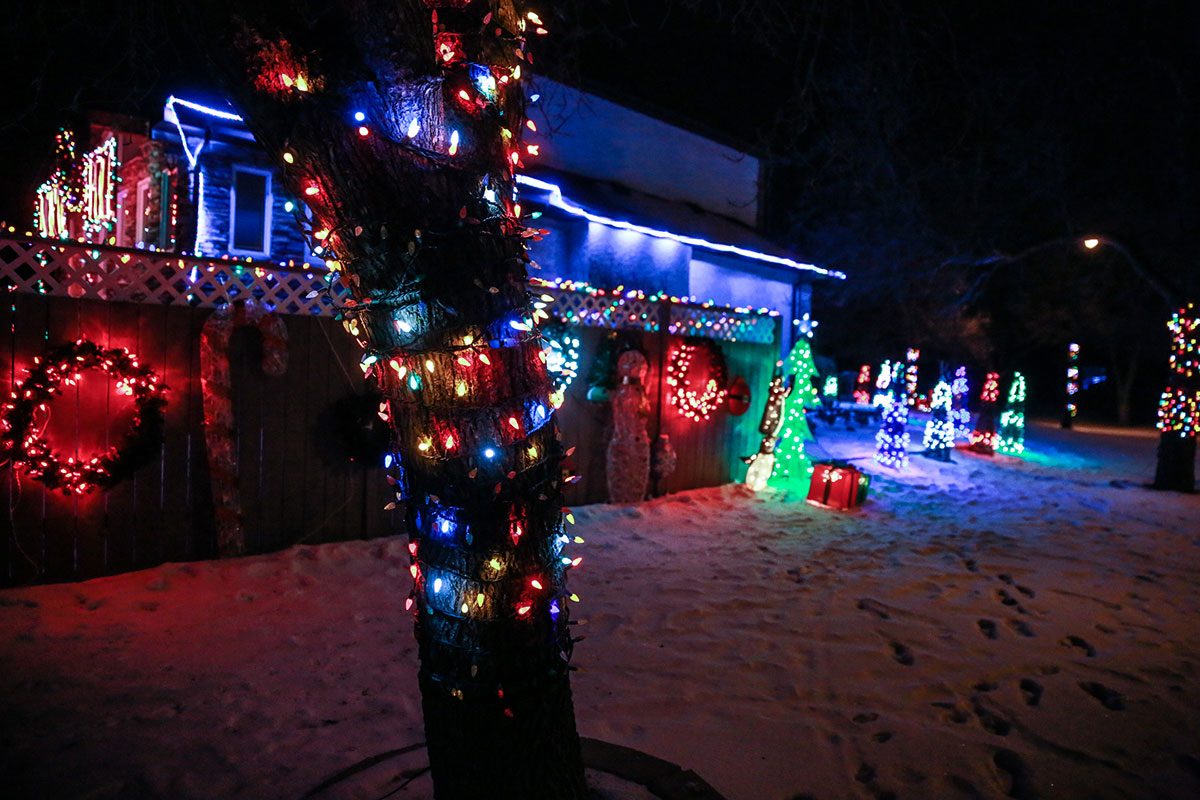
(558, 201)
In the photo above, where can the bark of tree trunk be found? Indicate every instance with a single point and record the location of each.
(1176, 468)
(416, 197)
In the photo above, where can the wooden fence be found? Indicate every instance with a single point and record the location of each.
(291, 491)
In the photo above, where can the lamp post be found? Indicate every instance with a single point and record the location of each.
(1093, 243)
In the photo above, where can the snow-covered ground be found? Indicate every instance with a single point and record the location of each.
(987, 628)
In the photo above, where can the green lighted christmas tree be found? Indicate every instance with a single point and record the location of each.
(1012, 421)
(792, 465)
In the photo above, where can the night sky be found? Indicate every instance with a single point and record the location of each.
(906, 140)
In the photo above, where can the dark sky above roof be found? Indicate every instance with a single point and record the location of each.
(945, 95)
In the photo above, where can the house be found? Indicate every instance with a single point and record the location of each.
(148, 236)
(629, 200)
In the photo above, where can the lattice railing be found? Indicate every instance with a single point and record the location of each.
(137, 276)
(68, 269)
(581, 305)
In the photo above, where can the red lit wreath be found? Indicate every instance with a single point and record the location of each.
(694, 401)
(26, 413)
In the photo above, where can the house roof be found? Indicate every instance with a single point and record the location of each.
(601, 202)
(616, 206)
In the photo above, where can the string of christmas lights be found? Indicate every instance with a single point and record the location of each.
(983, 437)
(1011, 439)
(862, 386)
(696, 404)
(892, 439)
(84, 186)
(910, 376)
(793, 468)
(1179, 405)
(1072, 409)
(938, 440)
(960, 389)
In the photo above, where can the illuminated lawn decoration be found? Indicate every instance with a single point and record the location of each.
(696, 397)
(1071, 409)
(983, 437)
(939, 430)
(862, 385)
(883, 384)
(960, 389)
(1011, 440)
(830, 388)
(562, 361)
(792, 464)
(910, 376)
(27, 413)
(1179, 406)
(892, 439)
(762, 463)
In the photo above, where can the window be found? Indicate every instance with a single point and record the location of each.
(141, 219)
(250, 212)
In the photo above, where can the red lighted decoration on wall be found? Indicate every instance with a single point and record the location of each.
(697, 397)
(27, 412)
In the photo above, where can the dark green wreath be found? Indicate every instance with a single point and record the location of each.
(22, 424)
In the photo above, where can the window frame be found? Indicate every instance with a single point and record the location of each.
(268, 202)
(141, 204)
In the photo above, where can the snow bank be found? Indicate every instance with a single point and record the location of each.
(985, 628)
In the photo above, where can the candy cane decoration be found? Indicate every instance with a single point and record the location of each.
(218, 408)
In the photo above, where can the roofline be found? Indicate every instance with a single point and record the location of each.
(557, 200)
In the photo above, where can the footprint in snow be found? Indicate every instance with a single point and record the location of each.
(1020, 627)
(990, 721)
(1079, 642)
(865, 716)
(902, 654)
(1109, 698)
(988, 628)
(1020, 779)
(1031, 690)
(874, 607)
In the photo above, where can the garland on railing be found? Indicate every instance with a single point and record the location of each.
(26, 414)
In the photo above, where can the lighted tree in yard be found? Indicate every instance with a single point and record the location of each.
(792, 464)
(399, 123)
(1011, 439)
(939, 430)
(983, 437)
(1179, 408)
(892, 438)
(960, 389)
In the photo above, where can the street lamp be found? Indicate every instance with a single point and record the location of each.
(1094, 242)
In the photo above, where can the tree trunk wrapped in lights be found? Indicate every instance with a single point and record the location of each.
(398, 123)
(1179, 407)
(983, 437)
(960, 413)
(1011, 439)
(938, 440)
